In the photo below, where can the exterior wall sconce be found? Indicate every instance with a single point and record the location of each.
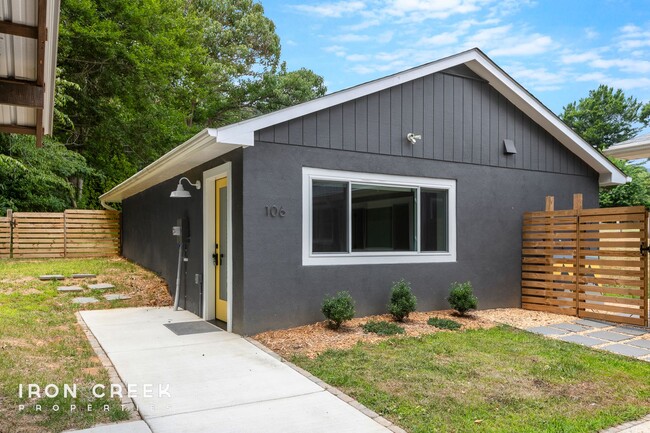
(181, 192)
(412, 138)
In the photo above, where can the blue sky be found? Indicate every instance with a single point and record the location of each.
(556, 49)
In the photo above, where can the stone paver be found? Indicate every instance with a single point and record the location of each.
(569, 327)
(51, 277)
(592, 323)
(629, 331)
(547, 330)
(608, 335)
(640, 343)
(84, 300)
(116, 297)
(100, 286)
(84, 275)
(627, 350)
(69, 289)
(581, 339)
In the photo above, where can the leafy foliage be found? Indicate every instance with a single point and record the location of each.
(443, 323)
(39, 179)
(634, 193)
(606, 117)
(338, 309)
(138, 78)
(461, 297)
(382, 327)
(402, 301)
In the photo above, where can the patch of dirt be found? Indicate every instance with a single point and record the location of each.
(522, 319)
(311, 340)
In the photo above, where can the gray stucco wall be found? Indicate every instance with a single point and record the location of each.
(147, 220)
(280, 292)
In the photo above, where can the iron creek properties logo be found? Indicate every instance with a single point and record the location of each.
(97, 397)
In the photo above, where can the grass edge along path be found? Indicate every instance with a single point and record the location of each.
(489, 380)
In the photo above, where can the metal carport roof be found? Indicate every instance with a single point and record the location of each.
(29, 32)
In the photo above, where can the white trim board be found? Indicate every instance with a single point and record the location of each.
(209, 295)
(211, 143)
(371, 258)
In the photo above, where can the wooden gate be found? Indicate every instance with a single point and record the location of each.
(589, 263)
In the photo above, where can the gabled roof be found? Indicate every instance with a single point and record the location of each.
(211, 143)
(29, 31)
(634, 148)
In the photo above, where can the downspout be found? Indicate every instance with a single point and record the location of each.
(106, 206)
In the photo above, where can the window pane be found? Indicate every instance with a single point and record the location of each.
(383, 218)
(330, 217)
(433, 220)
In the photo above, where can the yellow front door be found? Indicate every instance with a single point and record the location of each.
(221, 248)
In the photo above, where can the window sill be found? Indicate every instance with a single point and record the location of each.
(377, 259)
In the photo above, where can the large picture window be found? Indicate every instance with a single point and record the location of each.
(364, 218)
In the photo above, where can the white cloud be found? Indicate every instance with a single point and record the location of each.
(358, 57)
(418, 10)
(337, 50)
(445, 38)
(537, 45)
(572, 58)
(351, 37)
(331, 10)
(385, 37)
(598, 77)
(625, 65)
(591, 33)
(630, 83)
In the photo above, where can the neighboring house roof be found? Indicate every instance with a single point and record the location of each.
(635, 148)
(211, 143)
(29, 31)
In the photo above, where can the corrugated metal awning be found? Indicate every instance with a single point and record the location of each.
(29, 32)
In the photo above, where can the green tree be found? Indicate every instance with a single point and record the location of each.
(606, 117)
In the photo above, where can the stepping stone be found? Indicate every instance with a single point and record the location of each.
(592, 323)
(629, 331)
(100, 286)
(582, 340)
(569, 327)
(624, 349)
(83, 275)
(116, 297)
(50, 277)
(69, 289)
(84, 300)
(640, 343)
(608, 335)
(546, 330)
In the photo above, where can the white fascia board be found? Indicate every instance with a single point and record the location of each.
(638, 150)
(51, 48)
(503, 83)
(200, 148)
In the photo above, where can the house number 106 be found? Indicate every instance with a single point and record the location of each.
(275, 211)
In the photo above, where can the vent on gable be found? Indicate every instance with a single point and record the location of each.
(509, 146)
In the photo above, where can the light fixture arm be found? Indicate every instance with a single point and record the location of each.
(196, 185)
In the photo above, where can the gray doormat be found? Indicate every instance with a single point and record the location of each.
(188, 328)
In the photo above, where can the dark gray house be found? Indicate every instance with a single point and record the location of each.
(422, 175)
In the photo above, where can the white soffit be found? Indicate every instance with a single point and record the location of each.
(243, 133)
(635, 148)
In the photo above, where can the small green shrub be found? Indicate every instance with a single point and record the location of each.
(338, 309)
(382, 328)
(402, 301)
(443, 323)
(461, 297)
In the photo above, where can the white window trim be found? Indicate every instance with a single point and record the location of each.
(375, 257)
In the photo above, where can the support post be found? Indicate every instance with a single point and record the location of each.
(10, 218)
(577, 208)
(577, 201)
(550, 203)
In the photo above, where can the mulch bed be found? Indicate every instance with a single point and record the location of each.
(311, 340)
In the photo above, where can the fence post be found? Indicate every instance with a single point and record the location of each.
(10, 218)
(65, 234)
(550, 203)
(577, 207)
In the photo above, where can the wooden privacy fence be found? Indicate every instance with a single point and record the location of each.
(588, 263)
(73, 233)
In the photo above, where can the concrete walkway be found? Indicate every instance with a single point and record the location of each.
(212, 380)
(622, 340)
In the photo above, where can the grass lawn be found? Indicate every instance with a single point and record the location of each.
(41, 342)
(489, 380)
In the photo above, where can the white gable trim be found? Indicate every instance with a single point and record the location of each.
(210, 143)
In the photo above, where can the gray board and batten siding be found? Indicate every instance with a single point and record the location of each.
(460, 116)
(463, 122)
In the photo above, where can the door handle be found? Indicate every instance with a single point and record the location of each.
(214, 259)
